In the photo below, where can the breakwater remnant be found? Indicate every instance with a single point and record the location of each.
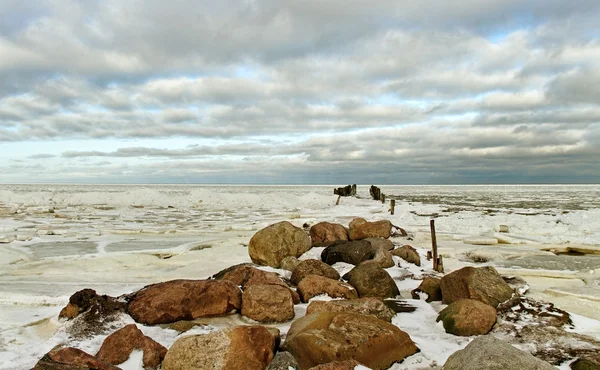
(346, 191)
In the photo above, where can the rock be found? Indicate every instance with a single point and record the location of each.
(314, 285)
(272, 244)
(381, 243)
(362, 229)
(431, 287)
(330, 336)
(245, 275)
(71, 359)
(70, 311)
(176, 300)
(591, 362)
(289, 263)
(118, 346)
(283, 361)
(349, 252)
(467, 317)
(517, 284)
(337, 365)
(384, 258)
(408, 253)
(313, 267)
(364, 306)
(370, 280)
(325, 233)
(268, 303)
(483, 284)
(239, 347)
(487, 352)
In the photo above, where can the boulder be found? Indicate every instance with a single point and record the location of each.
(349, 252)
(71, 359)
(283, 361)
(269, 246)
(364, 306)
(239, 347)
(268, 303)
(408, 253)
(118, 346)
(314, 285)
(325, 233)
(590, 362)
(487, 352)
(483, 284)
(370, 280)
(88, 300)
(362, 229)
(289, 263)
(431, 287)
(338, 365)
(381, 243)
(176, 300)
(467, 317)
(384, 258)
(330, 336)
(246, 275)
(313, 267)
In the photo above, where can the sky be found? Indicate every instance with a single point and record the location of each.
(300, 91)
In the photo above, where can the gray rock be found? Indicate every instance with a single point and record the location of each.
(489, 353)
(283, 361)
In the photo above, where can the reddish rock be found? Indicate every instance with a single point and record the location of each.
(325, 233)
(431, 287)
(337, 365)
(483, 284)
(70, 311)
(176, 300)
(269, 246)
(313, 267)
(71, 359)
(467, 317)
(364, 306)
(370, 280)
(268, 303)
(240, 347)
(362, 229)
(118, 346)
(408, 253)
(328, 336)
(314, 285)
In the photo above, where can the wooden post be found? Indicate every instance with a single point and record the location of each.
(428, 255)
(382, 198)
(392, 205)
(440, 266)
(434, 245)
(338, 201)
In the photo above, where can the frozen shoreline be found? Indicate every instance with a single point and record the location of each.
(116, 240)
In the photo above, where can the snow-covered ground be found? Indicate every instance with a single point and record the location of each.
(57, 239)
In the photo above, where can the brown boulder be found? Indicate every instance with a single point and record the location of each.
(483, 284)
(408, 253)
(370, 280)
(70, 311)
(325, 233)
(467, 317)
(431, 287)
(289, 263)
(314, 285)
(240, 347)
(364, 306)
(118, 346)
(588, 362)
(337, 365)
(328, 336)
(381, 243)
(176, 300)
(384, 258)
(313, 267)
(88, 300)
(268, 303)
(269, 246)
(349, 252)
(71, 359)
(362, 229)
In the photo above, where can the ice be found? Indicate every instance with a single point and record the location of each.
(57, 239)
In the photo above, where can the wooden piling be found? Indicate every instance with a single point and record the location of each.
(382, 198)
(440, 265)
(338, 200)
(392, 205)
(434, 245)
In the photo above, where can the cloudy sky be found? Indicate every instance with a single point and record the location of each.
(300, 91)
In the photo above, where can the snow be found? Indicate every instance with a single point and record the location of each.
(57, 239)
